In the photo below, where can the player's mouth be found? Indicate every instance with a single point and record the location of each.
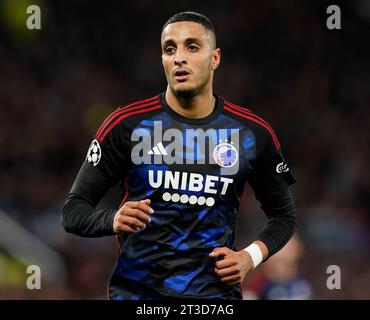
(181, 74)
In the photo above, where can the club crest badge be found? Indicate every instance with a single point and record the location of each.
(225, 155)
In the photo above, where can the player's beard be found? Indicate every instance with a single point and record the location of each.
(189, 93)
(185, 94)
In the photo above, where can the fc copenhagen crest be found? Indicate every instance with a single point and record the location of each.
(225, 155)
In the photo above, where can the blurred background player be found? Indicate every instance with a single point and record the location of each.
(281, 277)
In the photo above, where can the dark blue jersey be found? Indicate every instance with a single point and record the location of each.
(194, 172)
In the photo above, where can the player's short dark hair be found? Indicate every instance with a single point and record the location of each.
(194, 17)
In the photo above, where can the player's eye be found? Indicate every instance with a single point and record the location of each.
(169, 50)
(193, 47)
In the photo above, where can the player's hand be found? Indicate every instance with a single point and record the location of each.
(234, 265)
(132, 216)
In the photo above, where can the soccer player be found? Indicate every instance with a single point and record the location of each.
(183, 158)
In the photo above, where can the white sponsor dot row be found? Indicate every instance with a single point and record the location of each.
(184, 198)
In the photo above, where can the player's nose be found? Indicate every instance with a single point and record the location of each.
(180, 57)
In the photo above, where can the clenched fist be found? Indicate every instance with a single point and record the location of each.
(132, 216)
(234, 265)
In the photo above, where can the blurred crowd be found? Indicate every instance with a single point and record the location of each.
(311, 84)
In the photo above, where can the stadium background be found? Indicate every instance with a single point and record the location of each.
(278, 58)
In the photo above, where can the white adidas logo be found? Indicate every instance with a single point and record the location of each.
(158, 149)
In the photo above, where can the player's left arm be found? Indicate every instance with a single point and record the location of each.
(280, 226)
(270, 180)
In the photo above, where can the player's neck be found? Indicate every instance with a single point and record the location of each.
(199, 106)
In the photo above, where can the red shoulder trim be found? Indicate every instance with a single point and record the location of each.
(111, 121)
(247, 114)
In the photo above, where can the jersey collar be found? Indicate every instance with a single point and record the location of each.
(217, 110)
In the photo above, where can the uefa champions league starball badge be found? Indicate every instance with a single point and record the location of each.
(94, 153)
(225, 154)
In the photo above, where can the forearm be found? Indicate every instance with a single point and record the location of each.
(79, 215)
(277, 233)
(81, 218)
(274, 236)
(281, 224)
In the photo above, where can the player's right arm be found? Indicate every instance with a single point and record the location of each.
(102, 169)
(79, 215)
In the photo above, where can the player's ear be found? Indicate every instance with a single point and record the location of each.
(216, 58)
